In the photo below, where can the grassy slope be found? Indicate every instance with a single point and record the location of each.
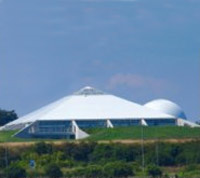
(6, 136)
(149, 133)
(123, 133)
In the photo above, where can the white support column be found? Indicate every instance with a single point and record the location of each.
(143, 122)
(79, 134)
(109, 124)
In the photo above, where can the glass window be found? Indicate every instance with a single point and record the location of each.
(125, 122)
(161, 122)
(91, 123)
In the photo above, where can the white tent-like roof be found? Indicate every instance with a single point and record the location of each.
(91, 104)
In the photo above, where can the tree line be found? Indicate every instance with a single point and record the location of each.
(91, 159)
(7, 116)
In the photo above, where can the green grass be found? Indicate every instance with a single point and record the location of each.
(7, 136)
(149, 133)
(122, 133)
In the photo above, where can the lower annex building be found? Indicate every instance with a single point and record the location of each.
(90, 108)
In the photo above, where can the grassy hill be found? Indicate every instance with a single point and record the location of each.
(6, 136)
(123, 133)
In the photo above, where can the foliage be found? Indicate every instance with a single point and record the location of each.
(7, 116)
(53, 171)
(106, 160)
(113, 152)
(154, 171)
(2, 158)
(78, 152)
(117, 169)
(109, 170)
(94, 171)
(15, 171)
(43, 148)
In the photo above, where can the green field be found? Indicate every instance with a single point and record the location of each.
(124, 133)
(6, 136)
(148, 133)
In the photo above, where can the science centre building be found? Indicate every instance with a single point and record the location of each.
(91, 108)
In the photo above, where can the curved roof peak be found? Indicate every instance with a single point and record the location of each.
(89, 91)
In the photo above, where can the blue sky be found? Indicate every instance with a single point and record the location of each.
(137, 49)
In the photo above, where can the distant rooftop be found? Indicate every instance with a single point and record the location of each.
(89, 91)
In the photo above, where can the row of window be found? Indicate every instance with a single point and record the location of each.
(161, 122)
(66, 126)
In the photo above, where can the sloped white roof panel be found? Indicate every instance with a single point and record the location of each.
(99, 107)
(86, 105)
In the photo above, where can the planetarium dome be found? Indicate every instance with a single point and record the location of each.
(167, 107)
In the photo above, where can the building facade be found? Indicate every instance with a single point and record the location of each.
(69, 117)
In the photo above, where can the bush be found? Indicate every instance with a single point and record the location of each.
(118, 169)
(78, 152)
(53, 171)
(93, 171)
(15, 171)
(154, 171)
(77, 172)
(43, 148)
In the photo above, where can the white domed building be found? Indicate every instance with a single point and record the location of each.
(92, 108)
(167, 107)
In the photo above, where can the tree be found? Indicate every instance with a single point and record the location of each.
(7, 116)
(154, 171)
(53, 171)
(15, 171)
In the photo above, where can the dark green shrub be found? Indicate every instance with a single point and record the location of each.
(78, 172)
(93, 171)
(43, 148)
(191, 167)
(103, 152)
(15, 171)
(53, 171)
(154, 171)
(117, 169)
(79, 152)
